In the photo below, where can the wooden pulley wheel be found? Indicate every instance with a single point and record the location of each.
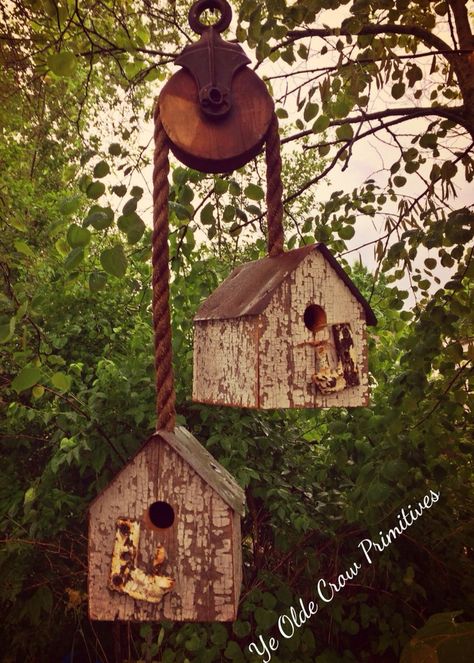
(216, 146)
(215, 111)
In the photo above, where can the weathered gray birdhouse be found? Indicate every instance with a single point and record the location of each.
(284, 332)
(164, 536)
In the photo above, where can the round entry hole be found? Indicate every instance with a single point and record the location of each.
(161, 514)
(314, 317)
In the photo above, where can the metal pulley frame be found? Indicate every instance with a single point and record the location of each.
(216, 111)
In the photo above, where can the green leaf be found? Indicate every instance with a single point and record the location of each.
(130, 206)
(97, 281)
(26, 378)
(19, 224)
(310, 111)
(234, 188)
(62, 64)
(399, 180)
(321, 124)
(78, 236)
(132, 225)
(99, 217)
(254, 192)
(410, 154)
(241, 629)
(429, 140)
(84, 182)
(394, 469)
(182, 212)
(62, 247)
(115, 149)
(101, 169)
(412, 167)
(346, 232)
(398, 90)
(207, 214)
(70, 205)
(219, 634)
(303, 51)
(114, 261)
(448, 170)
(220, 186)
(234, 652)
(22, 247)
(352, 25)
(345, 132)
(75, 257)
(180, 175)
(30, 495)
(119, 190)
(228, 213)
(265, 618)
(342, 106)
(143, 34)
(377, 492)
(95, 190)
(7, 330)
(37, 391)
(414, 74)
(441, 8)
(61, 381)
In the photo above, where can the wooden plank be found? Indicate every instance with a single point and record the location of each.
(225, 362)
(275, 359)
(346, 353)
(237, 558)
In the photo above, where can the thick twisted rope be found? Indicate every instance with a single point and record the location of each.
(274, 190)
(165, 394)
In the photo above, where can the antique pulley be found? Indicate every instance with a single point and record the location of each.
(216, 111)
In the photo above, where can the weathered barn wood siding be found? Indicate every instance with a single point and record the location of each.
(225, 362)
(286, 357)
(198, 544)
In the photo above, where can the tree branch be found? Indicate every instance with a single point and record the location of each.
(454, 114)
(425, 36)
(461, 19)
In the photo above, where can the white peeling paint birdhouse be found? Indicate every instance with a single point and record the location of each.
(284, 332)
(164, 536)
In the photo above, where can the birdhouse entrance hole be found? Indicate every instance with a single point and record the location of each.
(161, 514)
(314, 317)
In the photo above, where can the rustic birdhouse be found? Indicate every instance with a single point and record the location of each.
(282, 332)
(164, 536)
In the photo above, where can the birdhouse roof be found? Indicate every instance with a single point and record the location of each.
(201, 461)
(213, 473)
(248, 289)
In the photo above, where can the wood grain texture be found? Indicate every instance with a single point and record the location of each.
(202, 545)
(224, 359)
(216, 146)
(268, 360)
(286, 354)
(199, 458)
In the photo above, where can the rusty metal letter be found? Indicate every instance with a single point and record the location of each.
(125, 577)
